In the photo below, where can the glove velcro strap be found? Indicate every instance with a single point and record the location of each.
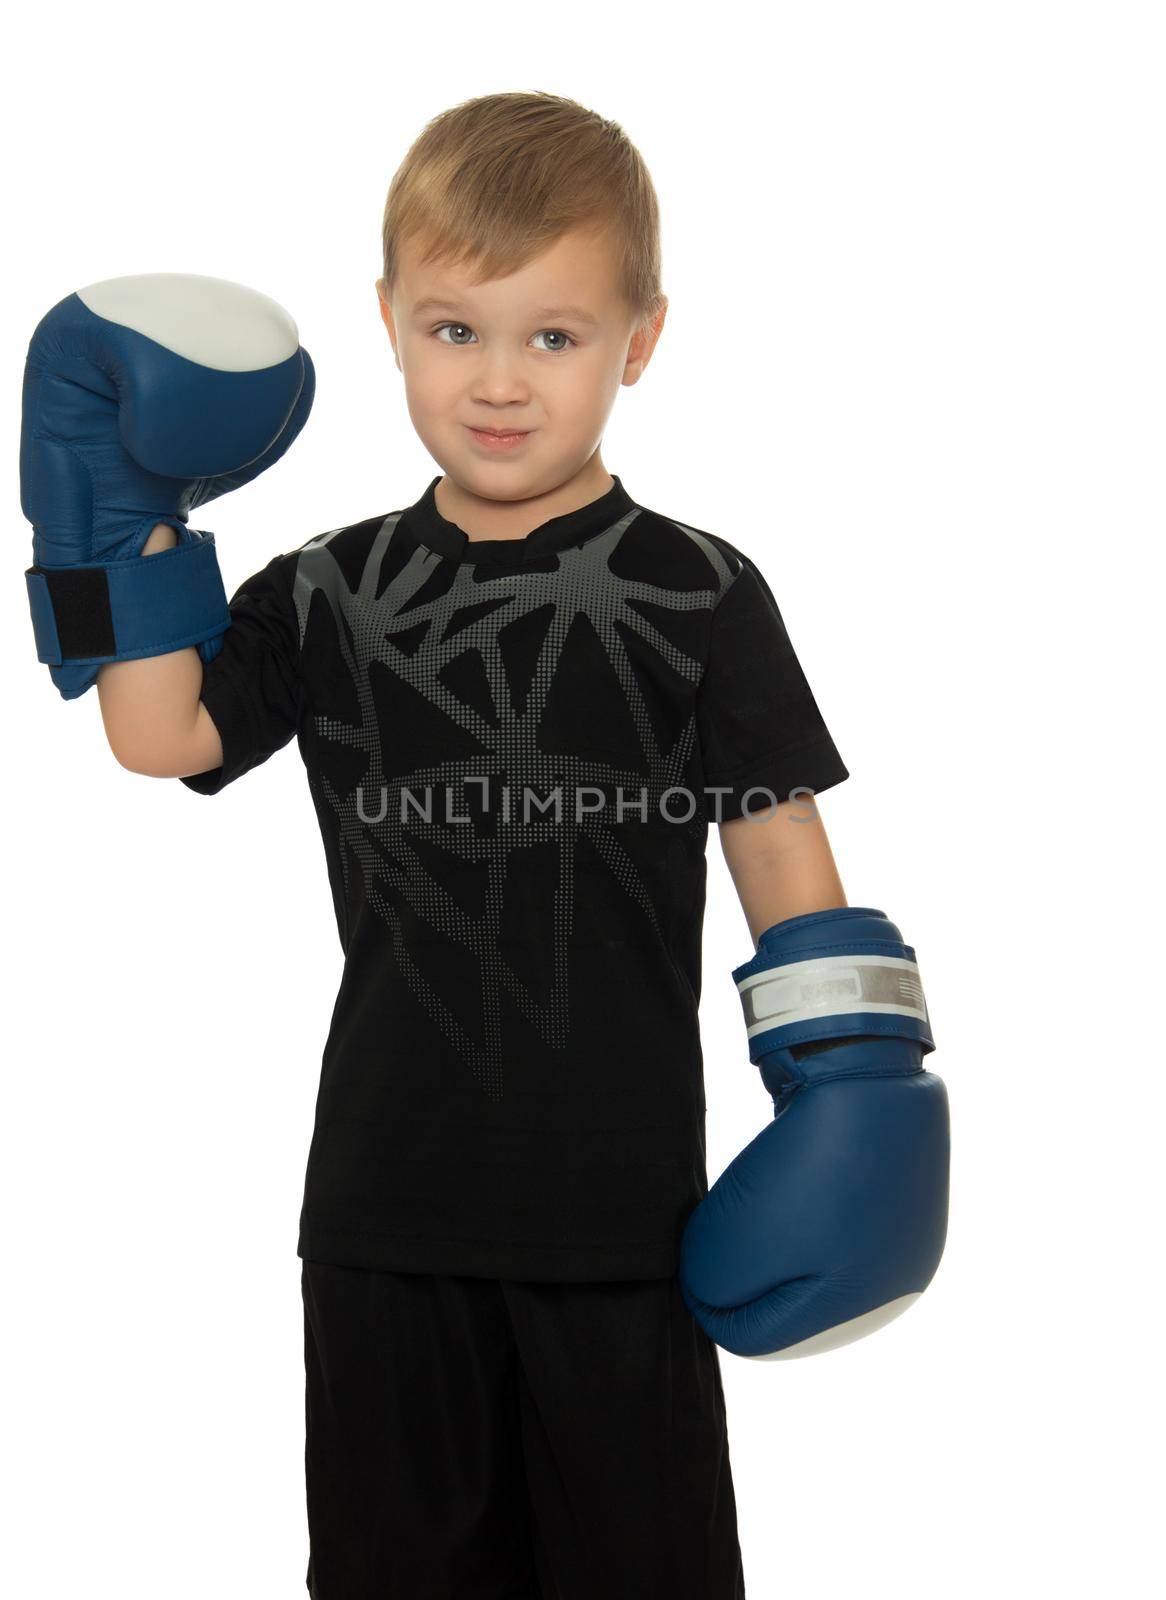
(824, 985)
(124, 610)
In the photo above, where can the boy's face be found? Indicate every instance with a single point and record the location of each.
(510, 355)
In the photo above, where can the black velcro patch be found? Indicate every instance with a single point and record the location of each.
(80, 599)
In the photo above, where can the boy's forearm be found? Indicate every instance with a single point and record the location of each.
(153, 717)
(781, 865)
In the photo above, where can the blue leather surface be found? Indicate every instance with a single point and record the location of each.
(119, 434)
(839, 1205)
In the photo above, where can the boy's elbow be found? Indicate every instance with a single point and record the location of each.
(151, 752)
(145, 763)
(156, 761)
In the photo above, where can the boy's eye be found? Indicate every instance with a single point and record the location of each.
(459, 326)
(555, 333)
(462, 327)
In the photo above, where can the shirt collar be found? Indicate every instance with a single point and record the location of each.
(428, 527)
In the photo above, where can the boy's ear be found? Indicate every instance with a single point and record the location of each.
(387, 315)
(643, 344)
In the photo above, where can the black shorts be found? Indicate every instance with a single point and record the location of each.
(485, 1439)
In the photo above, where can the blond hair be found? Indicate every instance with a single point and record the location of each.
(496, 180)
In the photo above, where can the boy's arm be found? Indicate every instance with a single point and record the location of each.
(781, 864)
(154, 720)
(832, 1221)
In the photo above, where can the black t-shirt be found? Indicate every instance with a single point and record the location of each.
(514, 747)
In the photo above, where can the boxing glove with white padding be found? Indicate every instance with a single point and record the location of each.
(145, 397)
(833, 1220)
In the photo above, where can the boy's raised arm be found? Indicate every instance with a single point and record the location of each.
(154, 720)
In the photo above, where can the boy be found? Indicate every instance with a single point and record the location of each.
(519, 700)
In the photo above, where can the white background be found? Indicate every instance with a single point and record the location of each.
(913, 364)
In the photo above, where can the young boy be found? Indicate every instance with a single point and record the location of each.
(519, 701)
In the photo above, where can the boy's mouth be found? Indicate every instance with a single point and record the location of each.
(500, 438)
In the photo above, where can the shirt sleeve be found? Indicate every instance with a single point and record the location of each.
(758, 724)
(252, 688)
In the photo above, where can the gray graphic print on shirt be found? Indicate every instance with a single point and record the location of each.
(470, 616)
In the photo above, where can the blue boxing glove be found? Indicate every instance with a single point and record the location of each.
(145, 397)
(833, 1220)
